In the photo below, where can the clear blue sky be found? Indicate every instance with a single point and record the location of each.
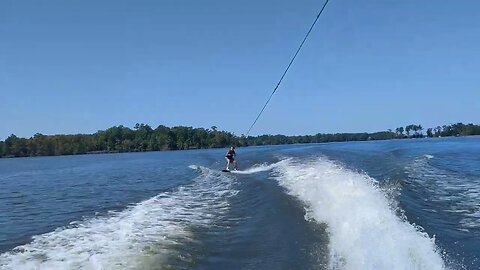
(80, 66)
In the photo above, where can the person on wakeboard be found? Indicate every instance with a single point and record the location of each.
(230, 157)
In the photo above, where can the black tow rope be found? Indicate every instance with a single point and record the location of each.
(288, 67)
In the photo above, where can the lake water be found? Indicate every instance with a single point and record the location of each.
(401, 204)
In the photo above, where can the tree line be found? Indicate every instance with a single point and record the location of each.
(144, 138)
(458, 129)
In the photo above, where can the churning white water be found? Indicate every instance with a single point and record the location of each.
(140, 237)
(364, 231)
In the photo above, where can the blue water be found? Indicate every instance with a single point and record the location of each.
(401, 204)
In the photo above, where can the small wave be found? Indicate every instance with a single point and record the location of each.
(194, 167)
(455, 191)
(259, 168)
(143, 236)
(199, 168)
(428, 156)
(364, 231)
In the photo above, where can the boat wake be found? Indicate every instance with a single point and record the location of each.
(457, 192)
(265, 167)
(364, 231)
(260, 168)
(144, 236)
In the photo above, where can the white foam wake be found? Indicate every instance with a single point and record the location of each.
(258, 168)
(364, 231)
(254, 169)
(143, 236)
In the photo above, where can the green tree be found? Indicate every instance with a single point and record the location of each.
(429, 132)
(408, 129)
(2, 149)
(399, 131)
(142, 136)
(419, 130)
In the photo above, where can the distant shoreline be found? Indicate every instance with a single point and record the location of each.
(142, 138)
(190, 149)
